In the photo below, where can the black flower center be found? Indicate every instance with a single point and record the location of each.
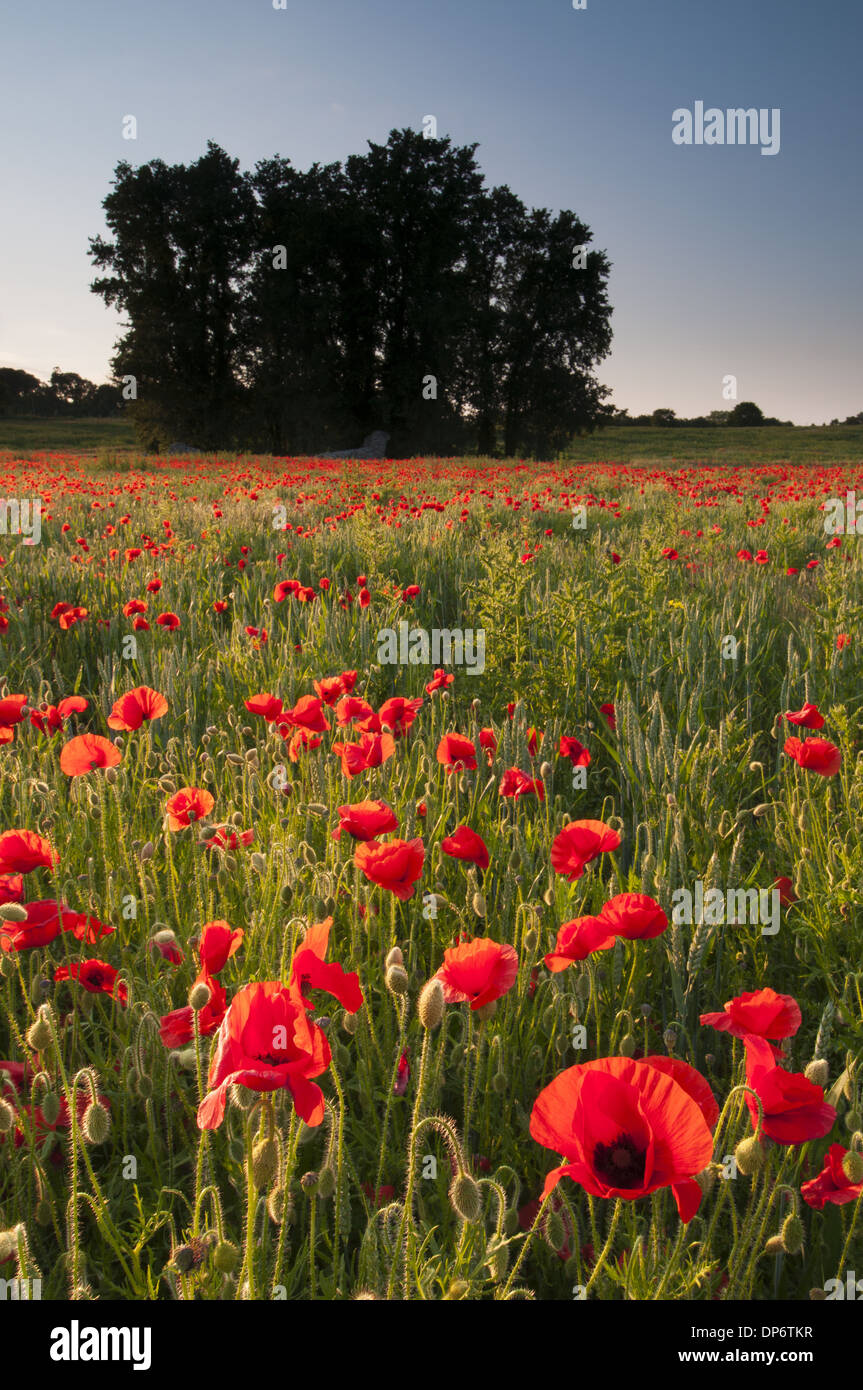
(620, 1163)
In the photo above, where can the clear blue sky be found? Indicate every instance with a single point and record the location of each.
(724, 260)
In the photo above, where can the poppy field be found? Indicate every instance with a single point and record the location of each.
(430, 879)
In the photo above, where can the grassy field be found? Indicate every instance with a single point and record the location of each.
(112, 439)
(419, 1172)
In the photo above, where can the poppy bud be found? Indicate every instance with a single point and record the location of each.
(548, 896)
(143, 1086)
(349, 1023)
(749, 1156)
(111, 776)
(545, 771)
(226, 1257)
(706, 1179)
(258, 863)
(96, 1123)
(817, 1295)
(397, 980)
(395, 957)
(13, 912)
(817, 1071)
(276, 1205)
(478, 904)
(309, 1184)
(465, 1198)
(286, 894)
(265, 1162)
(39, 1033)
(761, 809)
(582, 987)
(430, 1005)
(627, 1045)
(774, 1246)
(326, 1183)
(531, 938)
(458, 1289)
(853, 1120)
(186, 1058)
(50, 1108)
(554, 1230)
(498, 1083)
(791, 1235)
(852, 1167)
(515, 861)
(8, 1244)
(189, 1257)
(199, 996)
(43, 1212)
(487, 1011)
(7, 1117)
(497, 1259)
(510, 1221)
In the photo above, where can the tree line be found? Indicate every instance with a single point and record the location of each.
(66, 394)
(295, 312)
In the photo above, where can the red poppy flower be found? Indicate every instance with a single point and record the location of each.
(13, 709)
(49, 719)
(351, 709)
(578, 939)
(580, 842)
(135, 605)
(68, 614)
(45, 920)
(226, 837)
(398, 714)
(831, 1185)
(332, 688)
(187, 805)
(787, 896)
(635, 916)
(439, 681)
(456, 753)
(608, 711)
(762, 1014)
(629, 1128)
(514, 782)
(365, 820)
(298, 740)
(371, 751)
(80, 755)
(576, 752)
(794, 1109)
(267, 1043)
(310, 970)
(269, 707)
(307, 713)
(477, 972)
(807, 717)
(396, 865)
(842, 640)
(403, 1074)
(177, 1028)
(167, 946)
(21, 851)
(814, 754)
(96, 976)
(219, 941)
(488, 741)
(534, 739)
(11, 888)
(168, 620)
(139, 704)
(464, 843)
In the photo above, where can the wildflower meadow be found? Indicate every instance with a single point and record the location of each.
(430, 880)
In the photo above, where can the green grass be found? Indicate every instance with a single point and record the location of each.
(721, 445)
(27, 437)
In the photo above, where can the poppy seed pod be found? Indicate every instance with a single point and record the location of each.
(465, 1197)
(309, 1184)
(7, 1117)
(50, 1108)
(96, 1123)
(430, 1005)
